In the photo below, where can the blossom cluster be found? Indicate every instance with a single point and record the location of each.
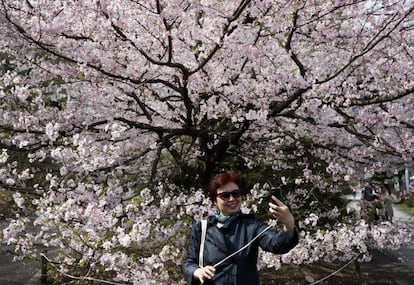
(144, 239)
(114, 114)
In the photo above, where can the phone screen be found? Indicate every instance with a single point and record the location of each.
(277, 192)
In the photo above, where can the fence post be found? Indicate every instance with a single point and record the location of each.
(361, 279)
(43, 269)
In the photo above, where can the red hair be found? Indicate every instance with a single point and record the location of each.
(220, 180)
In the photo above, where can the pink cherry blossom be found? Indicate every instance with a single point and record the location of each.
(119, 111)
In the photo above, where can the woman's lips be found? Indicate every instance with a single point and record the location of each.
(232, 205)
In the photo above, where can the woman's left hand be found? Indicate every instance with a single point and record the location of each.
(281, 212)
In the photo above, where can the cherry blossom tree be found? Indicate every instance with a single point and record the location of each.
(116, 113)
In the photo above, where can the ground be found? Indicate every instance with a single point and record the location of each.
(306, 274)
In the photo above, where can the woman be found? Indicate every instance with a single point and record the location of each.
(228, 231)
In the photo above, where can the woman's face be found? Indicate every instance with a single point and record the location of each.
(228, 204)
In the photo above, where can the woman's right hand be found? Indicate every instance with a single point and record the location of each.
(204, 272)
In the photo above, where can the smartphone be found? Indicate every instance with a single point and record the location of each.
(277, 192)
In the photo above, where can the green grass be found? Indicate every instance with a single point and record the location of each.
(407, 208)
(408, 204)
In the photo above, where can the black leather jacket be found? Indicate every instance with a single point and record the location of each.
(221, 242)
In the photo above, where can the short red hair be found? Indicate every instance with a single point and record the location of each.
(220, 180)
